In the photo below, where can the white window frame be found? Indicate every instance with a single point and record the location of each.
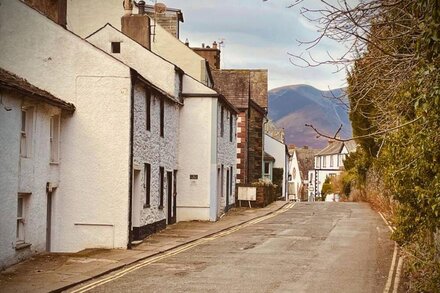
(331, 161)
(267, 175)
(26, 131)
(324, 163)
(21, 216)
(54, 138)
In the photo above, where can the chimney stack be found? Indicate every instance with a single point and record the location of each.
(211, 54)
(136, 26)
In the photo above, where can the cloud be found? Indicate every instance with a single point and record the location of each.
(259, 34)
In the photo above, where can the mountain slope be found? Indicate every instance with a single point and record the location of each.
(291, 107)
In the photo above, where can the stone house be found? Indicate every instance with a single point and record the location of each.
(30, 132)
(247, 91)
(329, 162)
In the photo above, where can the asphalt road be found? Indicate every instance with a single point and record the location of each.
(312, 247)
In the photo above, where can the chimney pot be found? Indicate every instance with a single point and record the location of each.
(203, 45)
(128, 7)
(187, 42)
(141, 7)
(214, 45)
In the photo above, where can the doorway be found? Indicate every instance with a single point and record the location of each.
(49, 220)
(170, 202)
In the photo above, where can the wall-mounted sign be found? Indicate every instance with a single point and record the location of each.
(193, 177)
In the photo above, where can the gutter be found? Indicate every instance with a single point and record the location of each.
(133, 75)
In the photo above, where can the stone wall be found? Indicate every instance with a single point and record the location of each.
(255, 155)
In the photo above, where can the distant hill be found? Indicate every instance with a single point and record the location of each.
(291, 107)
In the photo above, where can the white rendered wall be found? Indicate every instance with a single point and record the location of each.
(84, 17)
(277, 150)
(226, 152)
(172, 49)
(91, 203)
(159, 72)
(157, 151)
(24, 175)
(196, 157)
(296, 179)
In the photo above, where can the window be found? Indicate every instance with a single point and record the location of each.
(267, 172)
(147, 109)
(161, 186)
(324, 163)
(162, 117)
(339, 160)
(331, 160)
(230, 181)
(317, 162)
(27, 115)
(147, 184)
(21, 208)
(54, 138)
(116, 47)
(222, 123)
(231, 128)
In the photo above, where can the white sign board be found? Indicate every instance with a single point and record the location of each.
(247, 193)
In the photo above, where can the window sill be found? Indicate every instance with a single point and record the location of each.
(146, 206)
(22, 245)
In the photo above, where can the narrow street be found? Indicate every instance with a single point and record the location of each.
(311, 247)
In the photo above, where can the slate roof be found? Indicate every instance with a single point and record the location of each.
(11, 81)
(240, 85)
(336, 147)
(268, 157)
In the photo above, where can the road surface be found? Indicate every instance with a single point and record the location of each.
(311, 247)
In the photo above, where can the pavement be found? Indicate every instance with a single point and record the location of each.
(56, 272)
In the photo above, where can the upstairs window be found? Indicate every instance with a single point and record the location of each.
(162, 117)
(116, 47)
(231, 127)
(147, 109)
(54, 138)
(27, 118)
(331, 161)
(324, 163)
(222, 123)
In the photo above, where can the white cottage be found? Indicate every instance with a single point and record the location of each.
(276, 156)
(91, 203)
(295, 183)
(328, 162)
(30, 132)
(207, 153)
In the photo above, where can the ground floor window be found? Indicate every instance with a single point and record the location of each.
(21, 218)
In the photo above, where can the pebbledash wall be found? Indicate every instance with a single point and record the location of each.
(25, 176)
(94, 153)
(151, 148)
(226, 156)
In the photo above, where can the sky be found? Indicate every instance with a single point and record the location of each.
(259, 34)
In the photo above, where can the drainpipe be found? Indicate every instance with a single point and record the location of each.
(130, 164)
